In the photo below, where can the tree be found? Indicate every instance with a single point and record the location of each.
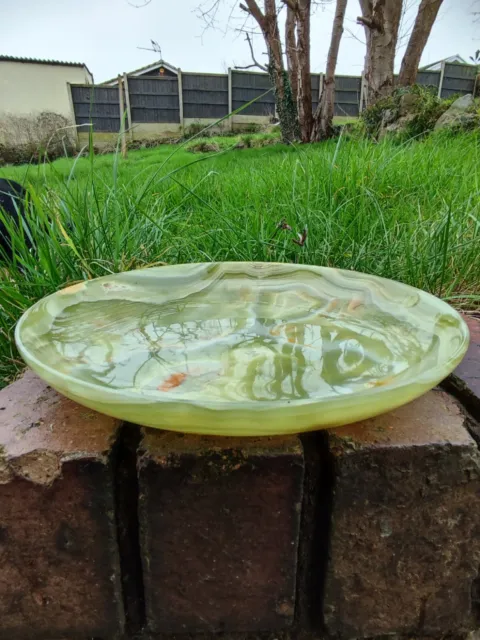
(291, 50)
(301, 10)
(293, 88)
(426, 15)
(381, 20)
(268, 22)
(323, 119)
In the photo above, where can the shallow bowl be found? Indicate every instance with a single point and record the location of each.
(242, 349)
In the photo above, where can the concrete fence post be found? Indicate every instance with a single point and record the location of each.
(72, 111)
(442, 75)
(362, 93)
(230, 98)
(127, 102)
(180, 98)
(122, 117)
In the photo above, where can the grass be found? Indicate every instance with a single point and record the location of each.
(225, 143)
(407, 212)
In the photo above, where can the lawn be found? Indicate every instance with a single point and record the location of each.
(409, 212)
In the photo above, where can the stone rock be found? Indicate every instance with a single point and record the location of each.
(219, 527)
(456, 113)
(59, 574)
(463, 103)
(388, 117)
(397, 127)
(405, 547)
(408, 104)
(458, 120)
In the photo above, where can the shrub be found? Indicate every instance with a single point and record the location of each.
(35, 137)
(194, 129)
(247, 140)
(204, 146)
(426, 109)
(252, 128)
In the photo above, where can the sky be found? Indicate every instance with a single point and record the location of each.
(108, 35)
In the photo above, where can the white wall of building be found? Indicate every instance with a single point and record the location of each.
(28, 88)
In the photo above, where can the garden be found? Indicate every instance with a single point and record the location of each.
(406, 209)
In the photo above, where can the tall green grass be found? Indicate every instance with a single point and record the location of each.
(406, 212)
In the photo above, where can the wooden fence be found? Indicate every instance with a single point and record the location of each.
(189, 97)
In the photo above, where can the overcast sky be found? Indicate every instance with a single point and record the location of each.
(106, 34)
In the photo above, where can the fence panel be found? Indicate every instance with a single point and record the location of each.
(347, 95)
(246, 86)
(98, 106)
(154, 99)
(315, 90)
(458, 79)
(429, 79)
(204, 95)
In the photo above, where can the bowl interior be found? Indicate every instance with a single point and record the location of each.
(242, 333)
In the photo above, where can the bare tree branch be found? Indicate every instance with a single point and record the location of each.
(254, 65)
(354, 35)
(366, 22)
(140, 6)
(254, 10)
(255, 62)
(208, 13)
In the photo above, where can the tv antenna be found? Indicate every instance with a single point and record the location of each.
(156, 48)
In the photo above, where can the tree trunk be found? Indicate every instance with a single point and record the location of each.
(304, 96)
(323, 119)
(426, 15)
(291, 50)
(381, 20)
(286, 107)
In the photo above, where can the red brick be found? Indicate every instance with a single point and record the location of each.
(405, 546)
(219, 524)
(59, 570)
(465, 380)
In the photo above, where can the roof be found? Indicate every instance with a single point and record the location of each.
(148, 67)
(60, 63)
(436, 65)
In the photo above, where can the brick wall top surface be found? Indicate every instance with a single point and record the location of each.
(34, 418)
(432, 419)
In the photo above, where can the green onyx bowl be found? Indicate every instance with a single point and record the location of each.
(241, 349)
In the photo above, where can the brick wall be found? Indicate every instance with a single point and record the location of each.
(110, 531)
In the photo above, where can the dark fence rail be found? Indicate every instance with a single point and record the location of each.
(213, 96)
(458, 79)
(247, 86)
(347, 95)
(204, 95)
(154, 100)
(97, 105)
